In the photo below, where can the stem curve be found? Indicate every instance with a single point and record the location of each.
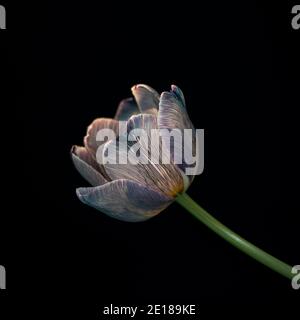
(240, 243)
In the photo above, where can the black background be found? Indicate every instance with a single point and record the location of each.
(70, 63)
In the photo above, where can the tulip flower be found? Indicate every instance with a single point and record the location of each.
(137, 192)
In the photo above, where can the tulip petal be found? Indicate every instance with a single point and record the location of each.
(126, 109)
(146, 97)
(87, 166)
(165, 178)
(172, 114)
(125, 200)
(177, 91)
(90, 141)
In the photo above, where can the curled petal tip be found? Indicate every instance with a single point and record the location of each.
(78, 192)
(166, 95)
(82, 193)
(178, 93)
(75, 150)
(146, 97)
(127, 107)
(143, 86)
(133, 87)
(138, 86)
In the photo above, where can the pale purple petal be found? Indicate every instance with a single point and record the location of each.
(177, 91)
(90, 140)
(146, 97)
(87, 166)
(172, 114)
(165, 178)
(125, 200)
(126, 109)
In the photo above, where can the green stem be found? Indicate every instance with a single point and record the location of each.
(263, 257)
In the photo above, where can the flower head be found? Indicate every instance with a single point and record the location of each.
(135, 191)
